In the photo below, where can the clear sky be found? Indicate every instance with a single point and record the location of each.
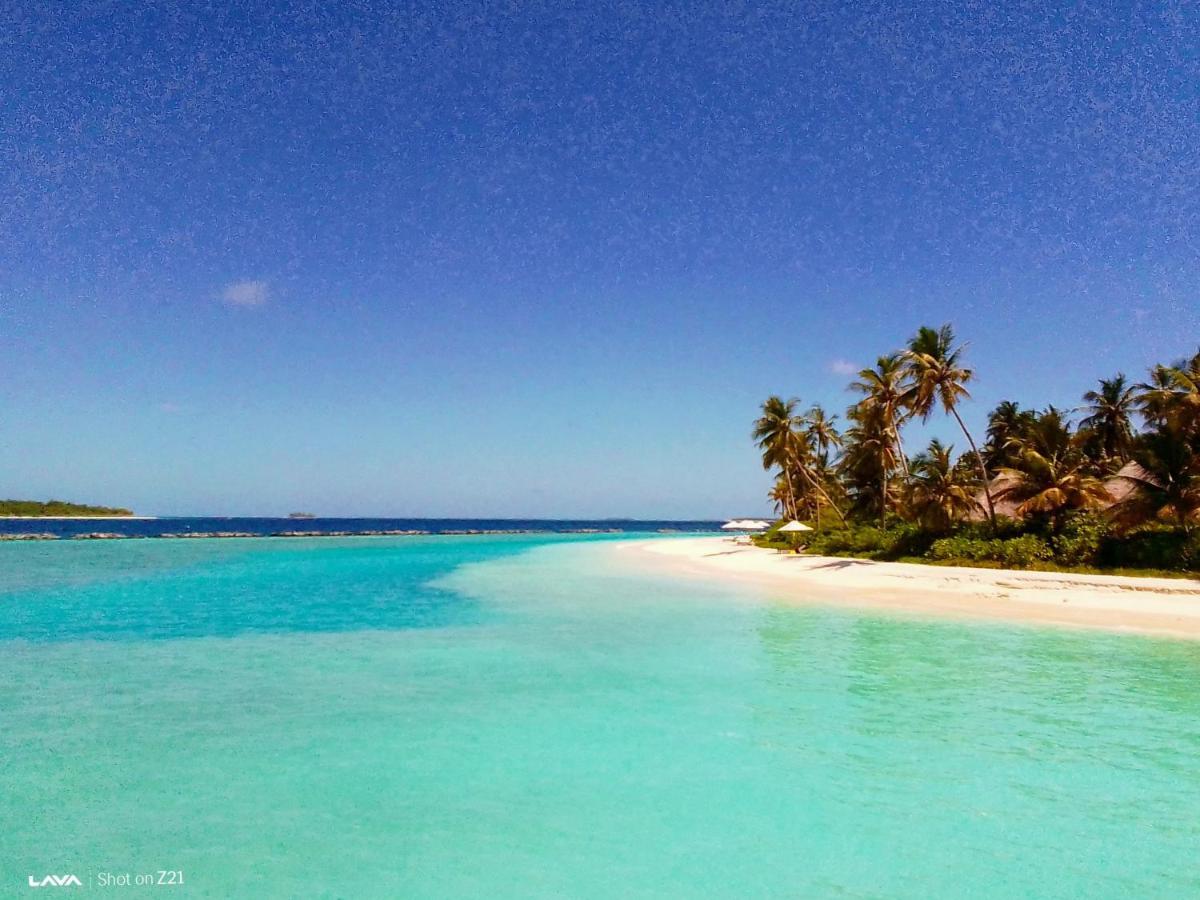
(545, 259)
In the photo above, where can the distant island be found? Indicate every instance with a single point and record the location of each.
(57, 508)
(301, 516)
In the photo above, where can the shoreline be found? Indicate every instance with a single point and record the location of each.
(1165, 607)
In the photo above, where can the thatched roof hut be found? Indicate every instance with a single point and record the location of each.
(1118, 486)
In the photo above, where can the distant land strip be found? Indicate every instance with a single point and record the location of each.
(58, 509)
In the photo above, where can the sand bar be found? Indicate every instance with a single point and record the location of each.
(1159, 606)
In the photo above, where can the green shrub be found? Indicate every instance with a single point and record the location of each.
(1150, 548)
(856, 540)
(958, 546)
(898, 539)
(1078, 543)
(1190, 556)
(1005, 528)
(867, 539)
(1084, 540)
(909, 539)
(1019, 552)
(1025, 551)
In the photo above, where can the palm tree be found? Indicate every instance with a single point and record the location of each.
(939, 495)
(1165, 480)
(1155, 395)
(1051, 473)
(780, 496)
(1109, 411)
(1172, 396)
(781, 436)
(822, 431)
(823, 435)
(869, 459)
(937, 377)
(1005, 422)
(777, 434)
(811, 474)
(884, 390)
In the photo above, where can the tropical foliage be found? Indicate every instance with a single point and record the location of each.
(1116, 482)
(798, 447)
(1050, 474)
(939, 493)
(56, 508)
(1165, 481)
(1005, 422)
(1109, 424)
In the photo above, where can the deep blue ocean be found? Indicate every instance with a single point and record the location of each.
(67, 528)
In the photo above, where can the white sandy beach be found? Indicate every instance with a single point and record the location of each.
(1161, 606)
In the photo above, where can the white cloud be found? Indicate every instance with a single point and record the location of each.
(245, 293)
(843, 367)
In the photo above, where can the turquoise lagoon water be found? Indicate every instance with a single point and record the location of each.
(528, 717)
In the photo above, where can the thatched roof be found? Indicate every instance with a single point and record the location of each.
(1119, 488)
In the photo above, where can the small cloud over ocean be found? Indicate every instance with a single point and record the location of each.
(245, 293)
(843, 367)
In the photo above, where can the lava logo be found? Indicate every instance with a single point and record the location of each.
(56, 881)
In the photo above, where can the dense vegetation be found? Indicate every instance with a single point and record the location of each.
(1119, 488)
(56, 508)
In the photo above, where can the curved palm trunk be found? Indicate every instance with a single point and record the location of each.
(817, 505)
(900, 447)
(837, 509)
(983, 472)
(820, 490)
(790, 502)
(833, 505)
(883, 492)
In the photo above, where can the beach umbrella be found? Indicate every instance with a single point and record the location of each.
(794, 527)
(745, 525)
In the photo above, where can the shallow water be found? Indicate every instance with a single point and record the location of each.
(442, 717)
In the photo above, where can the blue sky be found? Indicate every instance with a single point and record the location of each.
(545, 259)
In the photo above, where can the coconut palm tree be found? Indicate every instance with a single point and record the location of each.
(939, 494)
(777, 433)
(1165, 480)
(937, 376)
(811, 476)
(785, 444)
(884, 389)
(869, 460)
(780, 496)
(824, 437)
(1051, 474)
(1172, 396)
(1155, 395)
(1109, 413)
(821, 430)
(1005, 422)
